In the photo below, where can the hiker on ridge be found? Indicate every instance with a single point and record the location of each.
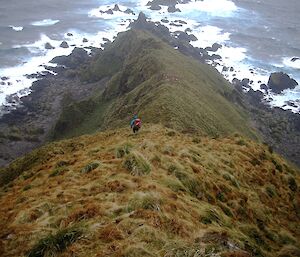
(135, 124)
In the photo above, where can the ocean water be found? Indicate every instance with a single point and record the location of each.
(258, 37)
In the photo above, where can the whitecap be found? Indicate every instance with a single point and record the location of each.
(223, 8)
(45, 22)
(16, 28)
(287, 61)
(208, 35)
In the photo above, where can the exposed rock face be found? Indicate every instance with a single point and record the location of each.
(279, 81)
(48, 46)
(214, 47)
(64, 44)
(172, 9)
(116, 8)
(129, 11)
(76, 58)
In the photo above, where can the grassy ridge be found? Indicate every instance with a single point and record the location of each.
(158, 193)
(160, 84)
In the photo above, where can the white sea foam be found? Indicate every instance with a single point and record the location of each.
(45, 22)
(208, 35)
(287, 61)
(223, 8)
(20, 85)
(15, 28)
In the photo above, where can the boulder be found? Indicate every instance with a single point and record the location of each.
(295, 59)
(109, 11)
(64, 44)
(165, 21)
(279, 81)
(4, 78)
(173, 9)
(116, 8)
(69, 34)
(155, 7)
(129, 11)
(84, 40)
(264, 87)
(49, 46)
(214, 47)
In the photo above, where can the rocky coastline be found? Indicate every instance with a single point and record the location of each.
(31, 123)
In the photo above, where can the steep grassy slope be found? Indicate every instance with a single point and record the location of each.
(158, 193)
(158, 82)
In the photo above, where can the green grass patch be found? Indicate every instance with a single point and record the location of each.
(54, 244)
(90, 167)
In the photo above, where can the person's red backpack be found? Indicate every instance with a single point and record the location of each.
(137, 123)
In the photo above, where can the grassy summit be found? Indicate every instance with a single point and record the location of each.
(164, 86)
(158, 193)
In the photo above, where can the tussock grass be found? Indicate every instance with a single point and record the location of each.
(123, 150)
(146, 201)
(164, 208)
(136, 164)
(53, 244)
(90, 167)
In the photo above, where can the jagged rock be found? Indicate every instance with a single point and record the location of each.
(224, 69)
(165, 21)
(64, 44)
(214, 47)
(48, 46)
(75, 59)
(9, 83)
(85, 40)
(295, 59)
(279, 81)
(109, 11)
(106, 39)
(173, 9)
(264, 87)
(180, 21)
(175, 24)
(129, 11)
(155, 7)
(4, 78)
(255, 97)
(69, 34)
(188, 30)
(231, 69)
(116, 8)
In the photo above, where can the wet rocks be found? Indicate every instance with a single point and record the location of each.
(279, 81)
(116, 8)
(173, 9)
(75, 59)
(84, 40)
(64, 44)
(69, 34)
(295, 59)
(48, 46)
(214, 48)
(129, 11)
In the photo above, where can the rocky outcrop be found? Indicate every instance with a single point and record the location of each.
(48, 46)
(279, 81)
(64, 44)
(75, 59)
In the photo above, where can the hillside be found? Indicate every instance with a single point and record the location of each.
(158, 193)
(153, 79)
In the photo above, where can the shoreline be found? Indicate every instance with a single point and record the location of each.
(233, 58)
